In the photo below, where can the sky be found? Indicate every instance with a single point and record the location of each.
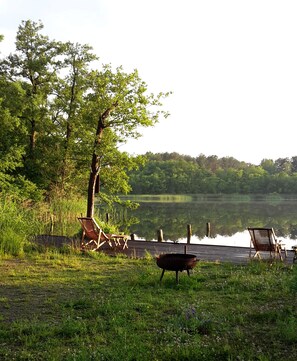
(231, 66)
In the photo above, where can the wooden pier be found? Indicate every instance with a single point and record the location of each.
(140, 248)
(237, 255)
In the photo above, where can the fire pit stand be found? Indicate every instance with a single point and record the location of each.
(177, 262)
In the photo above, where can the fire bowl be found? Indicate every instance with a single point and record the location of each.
(177, 262)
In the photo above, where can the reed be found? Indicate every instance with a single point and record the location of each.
(64, 213)
(21, 221)
(17, 225)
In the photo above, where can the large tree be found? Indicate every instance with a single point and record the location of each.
(76, 113)
(119, 102)
(34, 66)
(67, 109)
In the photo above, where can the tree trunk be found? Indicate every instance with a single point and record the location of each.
(91, 195)
(95, 165)
(33, 134)
(95, 168)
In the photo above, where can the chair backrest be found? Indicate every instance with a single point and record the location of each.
(91, 228)
(263, 239)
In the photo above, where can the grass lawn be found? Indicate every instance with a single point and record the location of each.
(57, 306)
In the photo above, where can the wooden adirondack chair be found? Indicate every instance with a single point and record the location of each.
(264, 240)
(93, 236)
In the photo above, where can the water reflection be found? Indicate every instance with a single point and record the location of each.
(228, 221)
(239, 239)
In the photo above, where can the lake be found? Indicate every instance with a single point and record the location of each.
(228, 219)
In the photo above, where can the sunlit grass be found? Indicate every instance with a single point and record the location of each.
(57, 306)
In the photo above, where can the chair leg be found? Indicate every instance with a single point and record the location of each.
(87, 244)
(117, 242)
(82, 244)
(257, 255)
(125, 243)
(176, 277)
(279, 251)
(163, 271)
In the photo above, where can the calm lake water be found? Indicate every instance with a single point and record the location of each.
(228, 220)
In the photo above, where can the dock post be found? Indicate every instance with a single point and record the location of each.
(160, 235)
(189, 233)
(208, 229)
(52, 225)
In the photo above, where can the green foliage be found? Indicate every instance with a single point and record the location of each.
(16, 226)
(64, 213)
(171, 173)
(11, 241)
(64, 114)
(21, 221)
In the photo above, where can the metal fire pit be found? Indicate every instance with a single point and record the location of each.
(177, 262)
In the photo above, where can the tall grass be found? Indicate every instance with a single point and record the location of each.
(64, 213)
(17, 225)
(21, 221)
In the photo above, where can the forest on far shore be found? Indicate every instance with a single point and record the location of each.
(173, 173)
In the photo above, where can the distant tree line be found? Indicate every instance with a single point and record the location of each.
(172, 173)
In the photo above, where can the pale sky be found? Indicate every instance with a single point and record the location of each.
(231, 65)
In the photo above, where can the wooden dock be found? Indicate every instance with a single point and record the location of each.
(237, 255)
(139, 249)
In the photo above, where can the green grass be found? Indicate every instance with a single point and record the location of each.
(57, 306)
(21, 221)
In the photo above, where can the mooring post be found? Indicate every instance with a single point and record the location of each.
(208, 229)
(160, 235)
(52, 225)
(189, 233)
